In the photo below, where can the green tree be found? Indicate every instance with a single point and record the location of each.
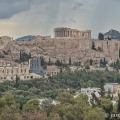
(104, 62)
(2, 104)
(69, 60)
(90, 83)
(102, 90)
(65, 97)
(34, 115)
(87, 67)
(82, 100)
(10, 113)
(95, 101)
(17, 81)
(107, 105)
(100, 36)
(42, 61)
(119, 53)
(44, 67)
(93, 46)
(9, 98)
(49, 62)
(100, 49)
(91, 61)
(31, 105)
(95, 114)
(58, 63)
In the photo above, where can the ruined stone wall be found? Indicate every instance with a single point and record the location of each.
(77, 49)
(4, 40)
(106, 45)
(110, 48)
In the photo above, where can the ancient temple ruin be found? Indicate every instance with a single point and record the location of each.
(62, 32)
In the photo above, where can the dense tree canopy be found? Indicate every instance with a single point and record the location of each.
(60, 87)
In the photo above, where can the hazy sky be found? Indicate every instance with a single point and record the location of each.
(39, 17)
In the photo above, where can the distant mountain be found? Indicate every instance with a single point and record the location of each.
(113, 34)
(29, 37)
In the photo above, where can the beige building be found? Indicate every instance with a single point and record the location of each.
(9, 70)
(52, 70)
(62, 32)
(114, 89)
(42, 37)
(117, 89)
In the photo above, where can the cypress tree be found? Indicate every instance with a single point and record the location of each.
(17, 81)
(119, 53)
(69, 60)
(93, 46)
(104, 62)
(20, 56)
(91, 62)
(102, 91)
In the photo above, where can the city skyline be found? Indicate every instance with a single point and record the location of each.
(40, 17)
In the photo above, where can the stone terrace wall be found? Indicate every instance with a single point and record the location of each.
(78, 48)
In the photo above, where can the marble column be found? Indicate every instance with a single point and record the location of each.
(56, 33)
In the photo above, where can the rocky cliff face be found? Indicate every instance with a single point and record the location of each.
(63, 49)
(113, 34)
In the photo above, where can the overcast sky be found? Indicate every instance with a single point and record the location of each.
(39, 17)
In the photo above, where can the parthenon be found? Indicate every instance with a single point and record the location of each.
(62, 32)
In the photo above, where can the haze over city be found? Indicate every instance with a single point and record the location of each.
(39, 17)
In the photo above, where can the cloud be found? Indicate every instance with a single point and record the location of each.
(52, 8)
(72, 20)
(77, 6)
(8, 8)
(63, 21)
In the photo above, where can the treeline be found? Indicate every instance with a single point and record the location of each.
(116, 65)
(68, 108)
(51, 87)
(26, 94)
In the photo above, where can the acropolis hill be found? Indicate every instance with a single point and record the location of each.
(66, 43)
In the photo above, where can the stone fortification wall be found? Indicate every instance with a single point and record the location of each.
(78, 49)
(111, 46)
